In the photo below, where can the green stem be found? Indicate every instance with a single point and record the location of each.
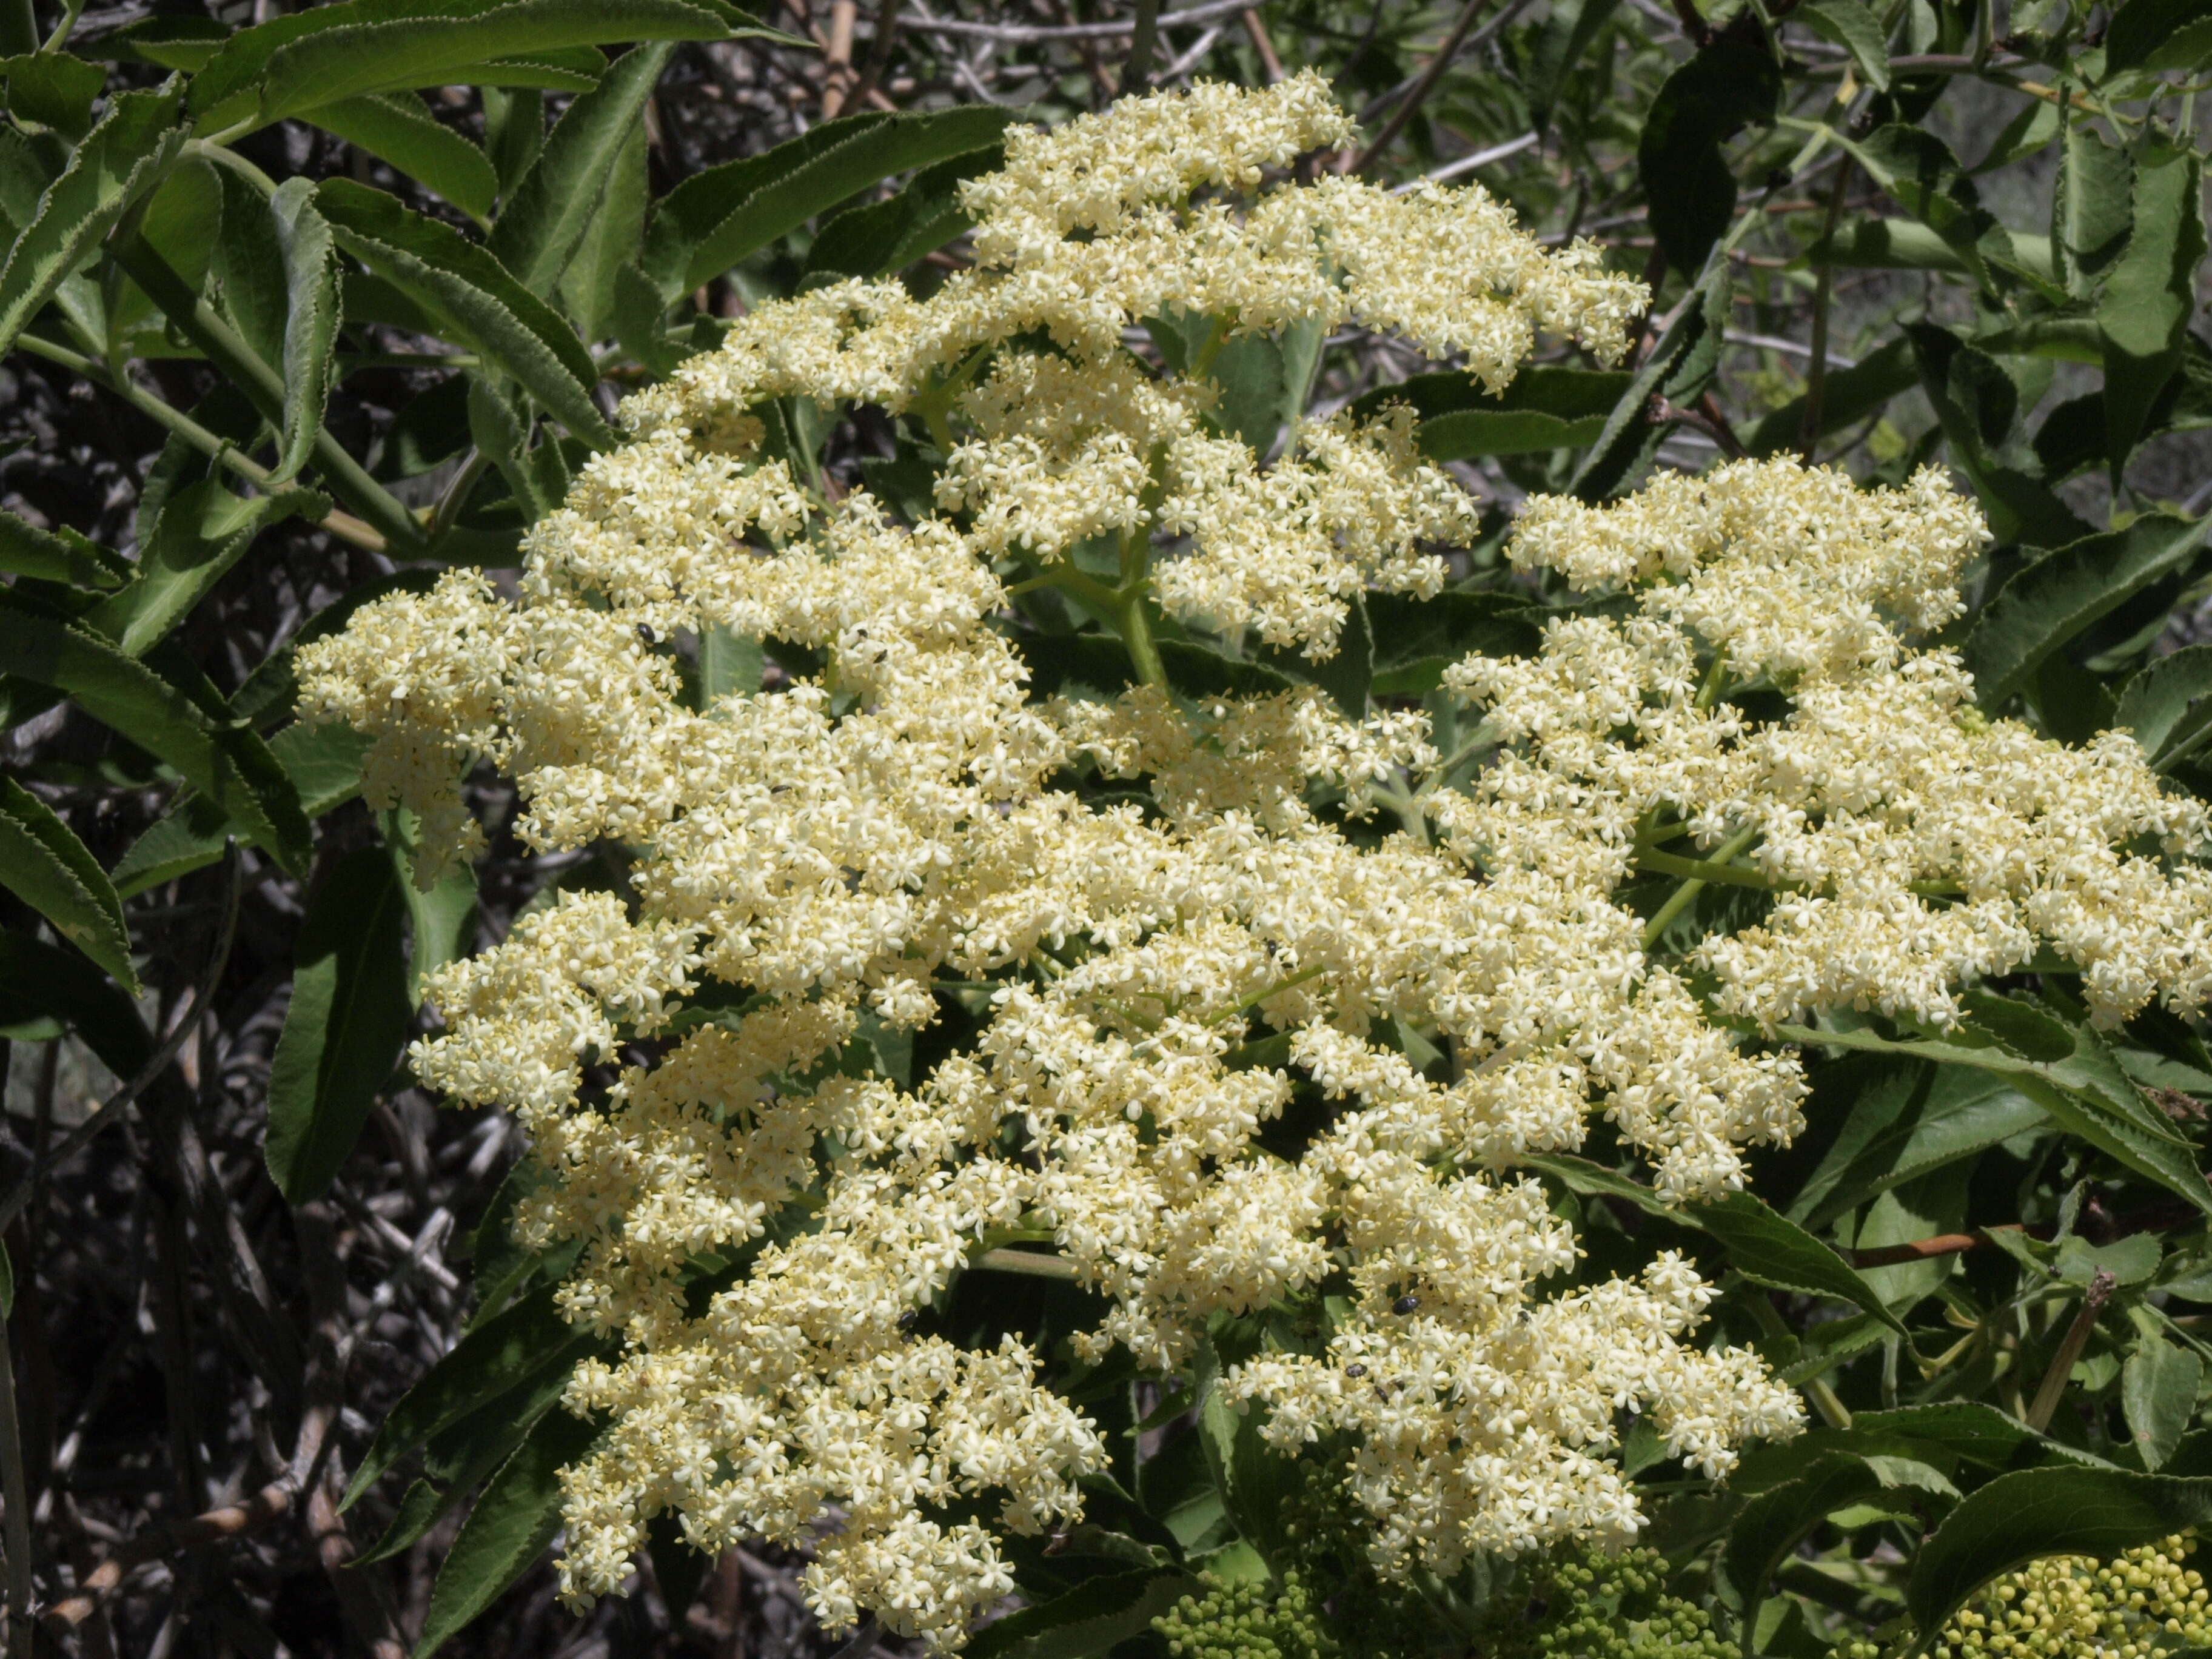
(264, 389)
(71, 10)
(1715, 869)
(1816, 371)
(1678, 900)
(220, 450)
(1136, 635)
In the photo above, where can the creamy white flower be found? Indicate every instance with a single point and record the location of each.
(1158, 975)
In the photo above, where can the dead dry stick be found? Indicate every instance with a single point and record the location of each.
(2069, 1350)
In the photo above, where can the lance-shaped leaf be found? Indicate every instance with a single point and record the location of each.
(1727, 87)
(476, 299)
(1091, 1619)
(1545, 408)
(2072, 1075)
(311, 318)
(1978, 404)
(163, 720)
(548, 211)
(890, 235)
(1775, 1522)
(28, 551)
(119, 159)
(324, 764)
(500, 1360)
(295, 62)
(44, 864)
(344, 1027)
(1771, 1249)
(511, 1524)
(202, 533)
(2056, 599)
(2089, 207)
(1921, 176)
(2143, 312)
(714, 218)
(397, 127)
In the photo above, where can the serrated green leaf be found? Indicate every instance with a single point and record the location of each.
(161, 719)
(1579, 1174)
(1908, 245)
(420, 1507)
(438, 916)
(311, 318)
(1545, 408)
(2089, 207)
(28, 551)
(2158, 34)
(511, 1524)
(1850, 24)
(1727, 87)
(475, 298)
(44, 864)
(294, 63)
(1089, 1619)
(2159, 1386)
(715, 218)
(547, 213)
(399, 127)
(2144, 309)
(174, 40)
(203, 530)
(2085, 1093)
(1921, 175)
(2019, 1517)
(2168, 705)
(1768, 1248)
(118, 160)
(1900, 1122)
(52, 89)
(2054, 599)
(1679, 368)
(344, 1027)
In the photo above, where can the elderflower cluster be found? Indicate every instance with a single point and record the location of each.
(1178, 968)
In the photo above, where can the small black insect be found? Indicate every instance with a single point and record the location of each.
(1405, 1304)
(1355, 1370)
(645, 633)
(908, 1320)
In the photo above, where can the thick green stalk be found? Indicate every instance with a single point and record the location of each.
(1678, 900)
(220, 450)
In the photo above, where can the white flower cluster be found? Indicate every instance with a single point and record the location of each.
(1158, 971)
